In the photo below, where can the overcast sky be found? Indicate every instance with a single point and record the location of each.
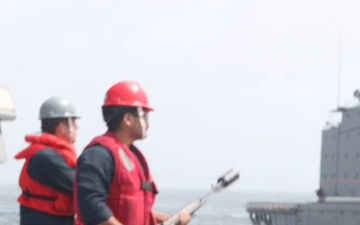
(243, 84)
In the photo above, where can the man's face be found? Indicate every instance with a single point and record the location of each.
(139, 124)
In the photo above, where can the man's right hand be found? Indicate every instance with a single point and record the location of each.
(185, 218)
(111, 221)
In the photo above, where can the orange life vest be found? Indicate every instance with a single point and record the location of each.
(38, 196)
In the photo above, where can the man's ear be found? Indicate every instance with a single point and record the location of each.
(61, 127)
(127, 119)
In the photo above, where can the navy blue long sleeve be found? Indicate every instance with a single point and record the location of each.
(50, 168)
(94, 174)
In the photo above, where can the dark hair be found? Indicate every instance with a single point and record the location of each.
(49, 125)
(113, 115)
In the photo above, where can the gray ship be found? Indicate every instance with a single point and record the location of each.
(338, 197)
(7, 113)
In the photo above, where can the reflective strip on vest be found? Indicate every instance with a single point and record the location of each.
(126, 160)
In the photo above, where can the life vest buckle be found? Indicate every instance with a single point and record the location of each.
(146, 185)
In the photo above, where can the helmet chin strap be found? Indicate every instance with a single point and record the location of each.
(142, 121)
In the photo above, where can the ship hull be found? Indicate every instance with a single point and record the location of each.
(270, 213)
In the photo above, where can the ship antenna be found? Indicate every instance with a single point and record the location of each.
(339, 70)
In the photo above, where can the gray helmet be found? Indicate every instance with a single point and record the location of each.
(57, 107)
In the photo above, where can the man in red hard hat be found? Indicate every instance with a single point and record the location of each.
(113, 183)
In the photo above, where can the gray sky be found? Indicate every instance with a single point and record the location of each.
(243, 84)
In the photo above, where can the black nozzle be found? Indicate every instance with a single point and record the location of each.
(228, 178)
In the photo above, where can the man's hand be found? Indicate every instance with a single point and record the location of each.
(111, 221)
(185, 218)
(161, 216)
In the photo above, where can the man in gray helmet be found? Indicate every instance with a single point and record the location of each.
(46, 179)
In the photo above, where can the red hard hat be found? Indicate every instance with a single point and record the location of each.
(127, 93)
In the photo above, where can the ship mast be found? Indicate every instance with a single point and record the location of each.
(339, 70)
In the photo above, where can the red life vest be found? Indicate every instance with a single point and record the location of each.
(132, 191)
(38, 196)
